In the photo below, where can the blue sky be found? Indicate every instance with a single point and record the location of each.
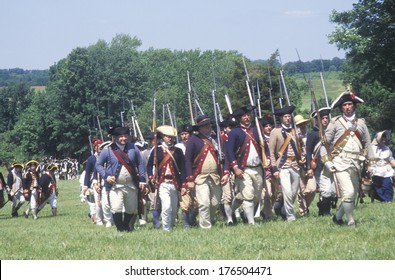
(36, 34)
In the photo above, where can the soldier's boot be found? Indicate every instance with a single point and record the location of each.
(192, 217)
(155, 218)
(54, 210)
(17, 207)
(133, 221)
(348, 210)
(127, 218)
(118, 221)
(228, 214)
(14, 213)
(248, 207)
(93, 218)
(324, 206)
(338, 217)
(185, 220)
(34, 214)
(26, 213)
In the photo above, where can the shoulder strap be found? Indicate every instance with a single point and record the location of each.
(125, 161)
(284, 145)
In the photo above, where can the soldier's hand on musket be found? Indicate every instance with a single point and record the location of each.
(331, 167)
(184, 191)
(310, 173)
(276, 175)
(144, 188)
(96, 186)
(111, 180)
(191, 186)
(238, 171)
(224, 179)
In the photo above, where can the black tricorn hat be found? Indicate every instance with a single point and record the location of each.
(202, 121)
(227, 123)
(119, 130)
(344, 97)
(242, 111)
(284, 110)
(266, 120)
(325, 111)
(185, 128)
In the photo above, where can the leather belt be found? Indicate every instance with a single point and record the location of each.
(168, 177)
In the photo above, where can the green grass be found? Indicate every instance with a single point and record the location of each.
(71, 236)
(333, 85)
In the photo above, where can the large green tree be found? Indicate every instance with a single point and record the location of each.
(367, 34)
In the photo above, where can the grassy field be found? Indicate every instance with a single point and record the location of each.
(71, 236)
(333, 85)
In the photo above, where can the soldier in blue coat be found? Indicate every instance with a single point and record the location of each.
(204, 171)
(243, 151)
(121, 166)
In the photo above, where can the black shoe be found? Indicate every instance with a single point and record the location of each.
(26, 215)
(339, 222)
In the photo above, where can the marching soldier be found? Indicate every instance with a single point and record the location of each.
(228, 189)
(93, 190)
(314, 166)
(348, 137)
(308, 186)
(285, 158)
(272, 190)
(203, 171)
(15, 184)
(32, 188)
(49, 190)
(244, 154)
(123, 170)
(2, 187)
(188, 203)
(170, 174)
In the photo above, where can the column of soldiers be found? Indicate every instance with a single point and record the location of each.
(194, 176)
(25, 184)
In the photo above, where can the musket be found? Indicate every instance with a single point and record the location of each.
(218, 131)
(228, 103)
(270, 90)
(197, 101)
(258, 100)
(133, 120)
(323, 85)
(123, 110)
(219, 112)
(257, 124)
(136, 128)
(98, 120)
(190, 100)
(292, 115)
(155, 187)
(324, 142)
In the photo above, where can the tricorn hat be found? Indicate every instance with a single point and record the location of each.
(167, 130)
(185, 128)
(325, 111)
(119, 130)
(202, 120)
(32, 162)
(227, 123)
(284, 110)
(242, 111)
(17, 164)
(264, 121)
(51, 167)
(345, 97)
